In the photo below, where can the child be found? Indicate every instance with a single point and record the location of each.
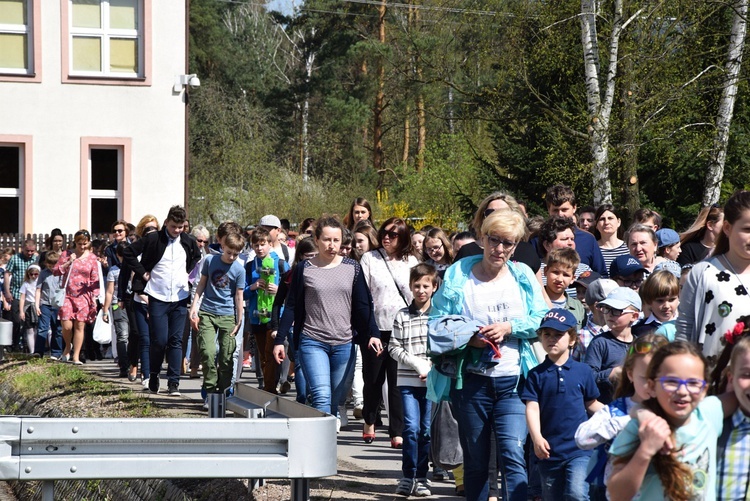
(557, 393)
(408, 346)
(671, 455)
(607, 351)
(733, 469)
(669, 244)
(602, 428)
(596, 292)
(259, 327)
(119, 317)
(27, 305)
(559, 273)
(661, 293)
(222, 280)
(627, 271)
(47, 286)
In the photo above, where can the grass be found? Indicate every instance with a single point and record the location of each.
(40, 379)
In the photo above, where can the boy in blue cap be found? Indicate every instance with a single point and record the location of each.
(558, 393)
(607, 351)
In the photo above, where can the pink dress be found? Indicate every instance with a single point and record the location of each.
(82, 289)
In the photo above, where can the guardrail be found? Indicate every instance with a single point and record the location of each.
(292, 441)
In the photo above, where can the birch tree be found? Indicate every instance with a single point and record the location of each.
(732, 69)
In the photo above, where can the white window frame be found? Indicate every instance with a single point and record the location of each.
(105, 33)
(21, 29)
(107, 194)
(17, 192)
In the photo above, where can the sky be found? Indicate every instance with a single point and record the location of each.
(283, 6)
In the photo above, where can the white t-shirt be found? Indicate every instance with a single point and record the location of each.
(29, 289)
(493, 302)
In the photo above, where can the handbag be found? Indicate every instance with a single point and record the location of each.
(385, 260)
(445, 446)
(58, 298)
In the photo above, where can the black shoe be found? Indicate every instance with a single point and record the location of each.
(173, 389)
(123, 373)
(153, 384)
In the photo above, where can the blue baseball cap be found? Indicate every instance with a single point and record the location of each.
(624, 266)
(667, 237)
(558, 319)
(670, 266)
(621, 298)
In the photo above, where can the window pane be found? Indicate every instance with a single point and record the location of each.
(87, 14)
(123, 55)
(103, 214)
(12, 12)
(103, 169)
(122, 14)
(9, 209)
(13, 51)
(87, 54)
(9, 168)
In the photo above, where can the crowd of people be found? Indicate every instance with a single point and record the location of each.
(575, 355)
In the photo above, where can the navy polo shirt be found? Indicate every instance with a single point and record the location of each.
(562, 392)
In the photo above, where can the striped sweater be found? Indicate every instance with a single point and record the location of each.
(408, 346)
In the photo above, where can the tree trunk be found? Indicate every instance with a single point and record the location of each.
(600, 107)
(377, 112)
(421, 129)
(630, 126)
(715, 174)
(407, 133)
(309, 62)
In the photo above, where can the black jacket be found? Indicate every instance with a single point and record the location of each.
(151, 249)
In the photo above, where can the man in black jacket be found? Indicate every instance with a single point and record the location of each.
(167, 256)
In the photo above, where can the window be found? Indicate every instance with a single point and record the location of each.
(105, 189)
(105, 181)
(16, 37)
(11, 187)
(106, 38)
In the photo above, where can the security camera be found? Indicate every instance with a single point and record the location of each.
(194, 82)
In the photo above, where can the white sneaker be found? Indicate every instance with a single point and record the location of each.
(342, 415)
(422, 488)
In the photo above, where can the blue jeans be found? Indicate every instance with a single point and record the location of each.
(482, 403)
(564, 480)
(48, 320)
(300, 382)
(416, 449)
(326, 369)
(166, 322)
(144, 339)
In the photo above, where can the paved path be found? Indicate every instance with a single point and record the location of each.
(356, 459)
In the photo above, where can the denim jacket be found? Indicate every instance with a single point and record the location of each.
(449, 301)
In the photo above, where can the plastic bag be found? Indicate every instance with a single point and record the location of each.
(103, 330)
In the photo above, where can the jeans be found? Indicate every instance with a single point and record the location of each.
(166, 322)
(300, 381)
(217, 371)
(564, 480)
(122, 330)
(326, 369)
(416, 448)
(144, 338)
(48, 320)
(482, 403)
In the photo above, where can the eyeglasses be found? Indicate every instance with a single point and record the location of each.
(644, 347)
(119, 231)
(496, 241)
(33, 274)
(629, 283)
(433, 250)
(201, 241)
(672, 384)
(309, 231)
(613, 311)
(390, 234)
(487, 212)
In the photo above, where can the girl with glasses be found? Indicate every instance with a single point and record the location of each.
(437, 250)
(670, 452)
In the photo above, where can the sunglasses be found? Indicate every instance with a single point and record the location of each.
(390, 234)
(201, 241)
(644, 347)
(119, 231)
(495, 242)
(613, 311)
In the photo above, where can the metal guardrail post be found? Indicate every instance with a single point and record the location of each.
(300, 489)
(48, 490)
(217, 407)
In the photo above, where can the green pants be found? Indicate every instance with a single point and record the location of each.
(217, 371)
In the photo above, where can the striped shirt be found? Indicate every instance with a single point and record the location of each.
(408, 345)
(610, 255)
(734, 459)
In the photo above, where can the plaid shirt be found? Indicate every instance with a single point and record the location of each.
(734, 459)
(17, 268)
(585, 335)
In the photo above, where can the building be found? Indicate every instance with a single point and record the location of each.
(93, 124)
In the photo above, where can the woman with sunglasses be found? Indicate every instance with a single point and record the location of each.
(80, 270)
(386, 270)
(506, 300)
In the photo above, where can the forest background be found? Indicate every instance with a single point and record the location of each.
(426, 106)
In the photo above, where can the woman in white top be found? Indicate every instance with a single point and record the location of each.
(386, 270)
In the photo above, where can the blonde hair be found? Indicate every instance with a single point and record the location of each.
(506, 222)
(148, 218)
